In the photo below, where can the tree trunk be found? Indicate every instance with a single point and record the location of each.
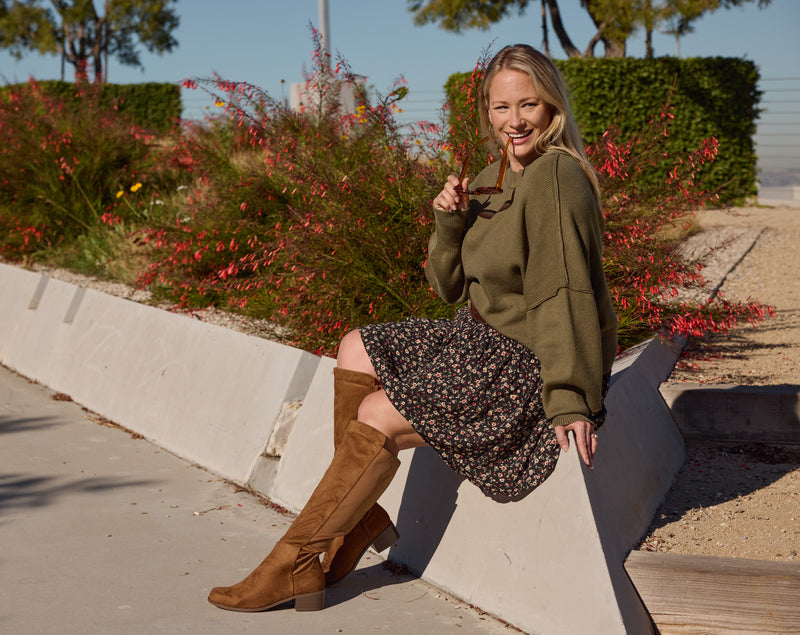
(614, 49)
(558, 27)
(589, 52)
(97, 45)
(649, 19)
(78, 55)
(99, 48)
(545, 42)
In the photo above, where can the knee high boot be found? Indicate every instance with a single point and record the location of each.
(375, 528)
(360, 471)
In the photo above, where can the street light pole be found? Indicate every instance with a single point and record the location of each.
(325, 30)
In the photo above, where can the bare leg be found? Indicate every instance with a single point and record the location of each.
(353, 356)
(376, 410)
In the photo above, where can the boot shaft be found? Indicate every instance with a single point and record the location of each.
(350, 387)
(360, 471)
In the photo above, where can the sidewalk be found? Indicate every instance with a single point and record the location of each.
(105, 533)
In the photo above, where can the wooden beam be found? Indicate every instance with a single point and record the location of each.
(710, 595)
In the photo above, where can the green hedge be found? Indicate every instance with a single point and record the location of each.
(711, 97)
(153, 106)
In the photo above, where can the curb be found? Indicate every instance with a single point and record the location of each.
(764, 414)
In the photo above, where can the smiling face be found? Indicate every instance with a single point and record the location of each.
(516, 112)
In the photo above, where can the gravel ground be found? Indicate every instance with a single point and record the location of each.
(742, 500)
(728, 500)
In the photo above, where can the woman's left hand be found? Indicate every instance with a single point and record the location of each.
(585, 439)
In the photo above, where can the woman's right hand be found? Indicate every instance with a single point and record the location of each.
(449, 200)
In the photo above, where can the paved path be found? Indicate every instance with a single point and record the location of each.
(105, 533)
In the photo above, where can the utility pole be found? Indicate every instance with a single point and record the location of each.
(325, 30)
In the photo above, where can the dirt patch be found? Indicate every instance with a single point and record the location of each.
(742, 500)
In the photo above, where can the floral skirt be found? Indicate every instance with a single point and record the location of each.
(473, 394)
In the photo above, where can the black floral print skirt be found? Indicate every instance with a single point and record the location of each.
(473, 394)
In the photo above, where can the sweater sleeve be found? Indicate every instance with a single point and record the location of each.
(444, 268)
(564, 232)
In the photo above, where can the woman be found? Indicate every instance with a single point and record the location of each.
(495, 390)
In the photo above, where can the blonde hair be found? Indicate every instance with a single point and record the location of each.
(562, 135)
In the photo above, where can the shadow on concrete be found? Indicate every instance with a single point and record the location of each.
(365, 580)
(22, 491)
(11, 425)
(736, 413)
(426, 508)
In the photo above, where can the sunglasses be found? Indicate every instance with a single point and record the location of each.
(498, 187)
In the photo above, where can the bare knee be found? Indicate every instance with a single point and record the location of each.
(352, 355)
(376, 408)
(378, 412)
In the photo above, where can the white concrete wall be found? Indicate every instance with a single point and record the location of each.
(208, 394)
(214, 396)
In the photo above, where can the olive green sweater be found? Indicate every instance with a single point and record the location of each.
(530, 260)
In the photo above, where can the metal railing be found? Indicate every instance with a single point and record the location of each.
(777, 136)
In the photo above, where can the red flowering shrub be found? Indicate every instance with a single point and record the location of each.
(63, 168)
(645, 275)
(318, 219)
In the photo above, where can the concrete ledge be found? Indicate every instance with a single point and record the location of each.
(260, 413)
(767, 414)
(210, 395)
(515, 560)
(19, 291)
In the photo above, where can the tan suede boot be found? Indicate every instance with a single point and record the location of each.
(350, 387)
(360, 471)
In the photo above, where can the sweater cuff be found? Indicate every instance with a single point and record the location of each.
(450, 225)
(565, 420)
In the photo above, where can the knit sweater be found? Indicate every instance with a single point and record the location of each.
(530, 260)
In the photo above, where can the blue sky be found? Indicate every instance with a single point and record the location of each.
(264, 42)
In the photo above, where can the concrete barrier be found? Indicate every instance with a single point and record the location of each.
(208, 394)
(765, 414)
(525, 561)
(260, 413)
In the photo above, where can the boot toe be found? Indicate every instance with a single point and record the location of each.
(225, 598)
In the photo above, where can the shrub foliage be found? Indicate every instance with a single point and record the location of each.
(711, 97)
(317, 220)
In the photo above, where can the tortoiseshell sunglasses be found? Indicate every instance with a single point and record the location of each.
(498, 187)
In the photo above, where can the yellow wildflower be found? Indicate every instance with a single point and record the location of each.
(120, 193)
(136, 187)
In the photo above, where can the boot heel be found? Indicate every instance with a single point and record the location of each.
(310, 601)
(386, 538)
